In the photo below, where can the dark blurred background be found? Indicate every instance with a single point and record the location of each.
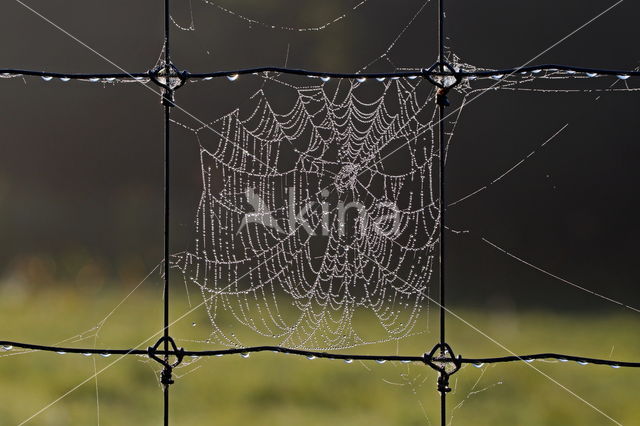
(81, 163)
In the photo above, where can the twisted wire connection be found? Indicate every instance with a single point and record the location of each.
(311, 73)
(317, 354)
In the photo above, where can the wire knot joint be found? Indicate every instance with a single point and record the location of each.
(445, 77)
(169, 78)
(442, 359)
(166, 374)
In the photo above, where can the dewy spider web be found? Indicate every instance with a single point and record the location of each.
(250, 21)
(325, 162)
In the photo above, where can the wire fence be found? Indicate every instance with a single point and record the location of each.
(441, 358)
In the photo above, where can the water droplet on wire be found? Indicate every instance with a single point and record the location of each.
(7, 347)
(245, 354)
(582, 362)
(233, 77)
(380, 78)
(105, 355)
(311, 357)
(348, 361)
(87, 354)
(615, 366)
(622, 76)
(47, 78)
(65, 79)
(381, 361)
(325, 78)
(361, 79)
(478, 364)
(592, 74)
(497, 76)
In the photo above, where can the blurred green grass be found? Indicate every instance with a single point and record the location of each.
(270, 389)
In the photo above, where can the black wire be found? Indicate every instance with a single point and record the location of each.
(167, 168)
(19, 72)
(416, 73)
(319, 354)
(166, 373)
(442, 207)
(311, 73)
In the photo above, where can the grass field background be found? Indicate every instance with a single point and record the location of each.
(271, 389)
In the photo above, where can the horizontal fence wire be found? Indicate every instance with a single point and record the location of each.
(311, 73)
(9, 345)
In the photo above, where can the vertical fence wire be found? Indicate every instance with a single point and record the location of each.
(442, 206)
(167, 206)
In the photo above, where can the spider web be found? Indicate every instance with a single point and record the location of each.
(308, 204)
